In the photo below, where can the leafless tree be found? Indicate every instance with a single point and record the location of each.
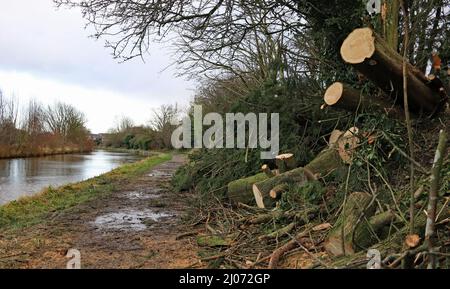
(163, 122)
(123, 125)
(213, 37)
(65, 120)
(8, 120)
(34, 122)
(254, 41)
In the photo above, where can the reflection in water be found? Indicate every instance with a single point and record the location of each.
(21, 177)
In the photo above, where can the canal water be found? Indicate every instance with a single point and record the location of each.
(28, 176)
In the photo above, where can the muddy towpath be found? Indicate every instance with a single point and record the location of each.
(134, 226)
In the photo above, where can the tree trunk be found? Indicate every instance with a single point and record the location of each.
(343, 96)
(334, 137)
(327, 161)
(347, 229)
(278, 190)
(261, 190)
(285, 162)
(347, 144)
(390, 22)
(371, 55)
(240, 191)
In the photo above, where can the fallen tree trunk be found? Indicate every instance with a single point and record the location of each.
(261, 190)
(240, 191)
(371, 56)
(343, 96)
(334, 137)
(327, 161)
(346, 230)
(347, 144)
(395, 242)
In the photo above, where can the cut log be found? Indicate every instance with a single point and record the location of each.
(371, 56)
(285, 162)
(343, 96)
(327, 161)
(278, 190)
(346, 230)
(261, 190)
(240, 191)
(335, 135)
(347, 144)
(265, 169)
(395, 242)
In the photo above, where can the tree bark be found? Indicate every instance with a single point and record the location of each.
(373, 57)
(343, 96)
(240, 191)
(390, 22)
(278, 190)
(285, 162)
(433, 198)
(327, 161)
(346, 230)
(347, 144)
(261, 190)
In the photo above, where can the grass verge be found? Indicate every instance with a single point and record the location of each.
(35, 209)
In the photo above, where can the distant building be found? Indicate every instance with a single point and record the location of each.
(97, 138)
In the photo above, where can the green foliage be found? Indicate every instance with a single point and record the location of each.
(331, 22)
(297, 196)
(209, 171)
(133, 138)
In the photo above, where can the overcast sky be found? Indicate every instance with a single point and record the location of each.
(46, 54)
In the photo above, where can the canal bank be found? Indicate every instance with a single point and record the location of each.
(42, 152)
(128, 218)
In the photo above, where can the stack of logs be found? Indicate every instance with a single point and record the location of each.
(268, 186)
(369, 54)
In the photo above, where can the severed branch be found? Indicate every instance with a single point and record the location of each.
(433, 198)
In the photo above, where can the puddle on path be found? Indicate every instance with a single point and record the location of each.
(157, 173)
(140, 195)
(128, 220)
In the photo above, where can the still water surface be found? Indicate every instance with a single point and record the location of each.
(23, 177)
